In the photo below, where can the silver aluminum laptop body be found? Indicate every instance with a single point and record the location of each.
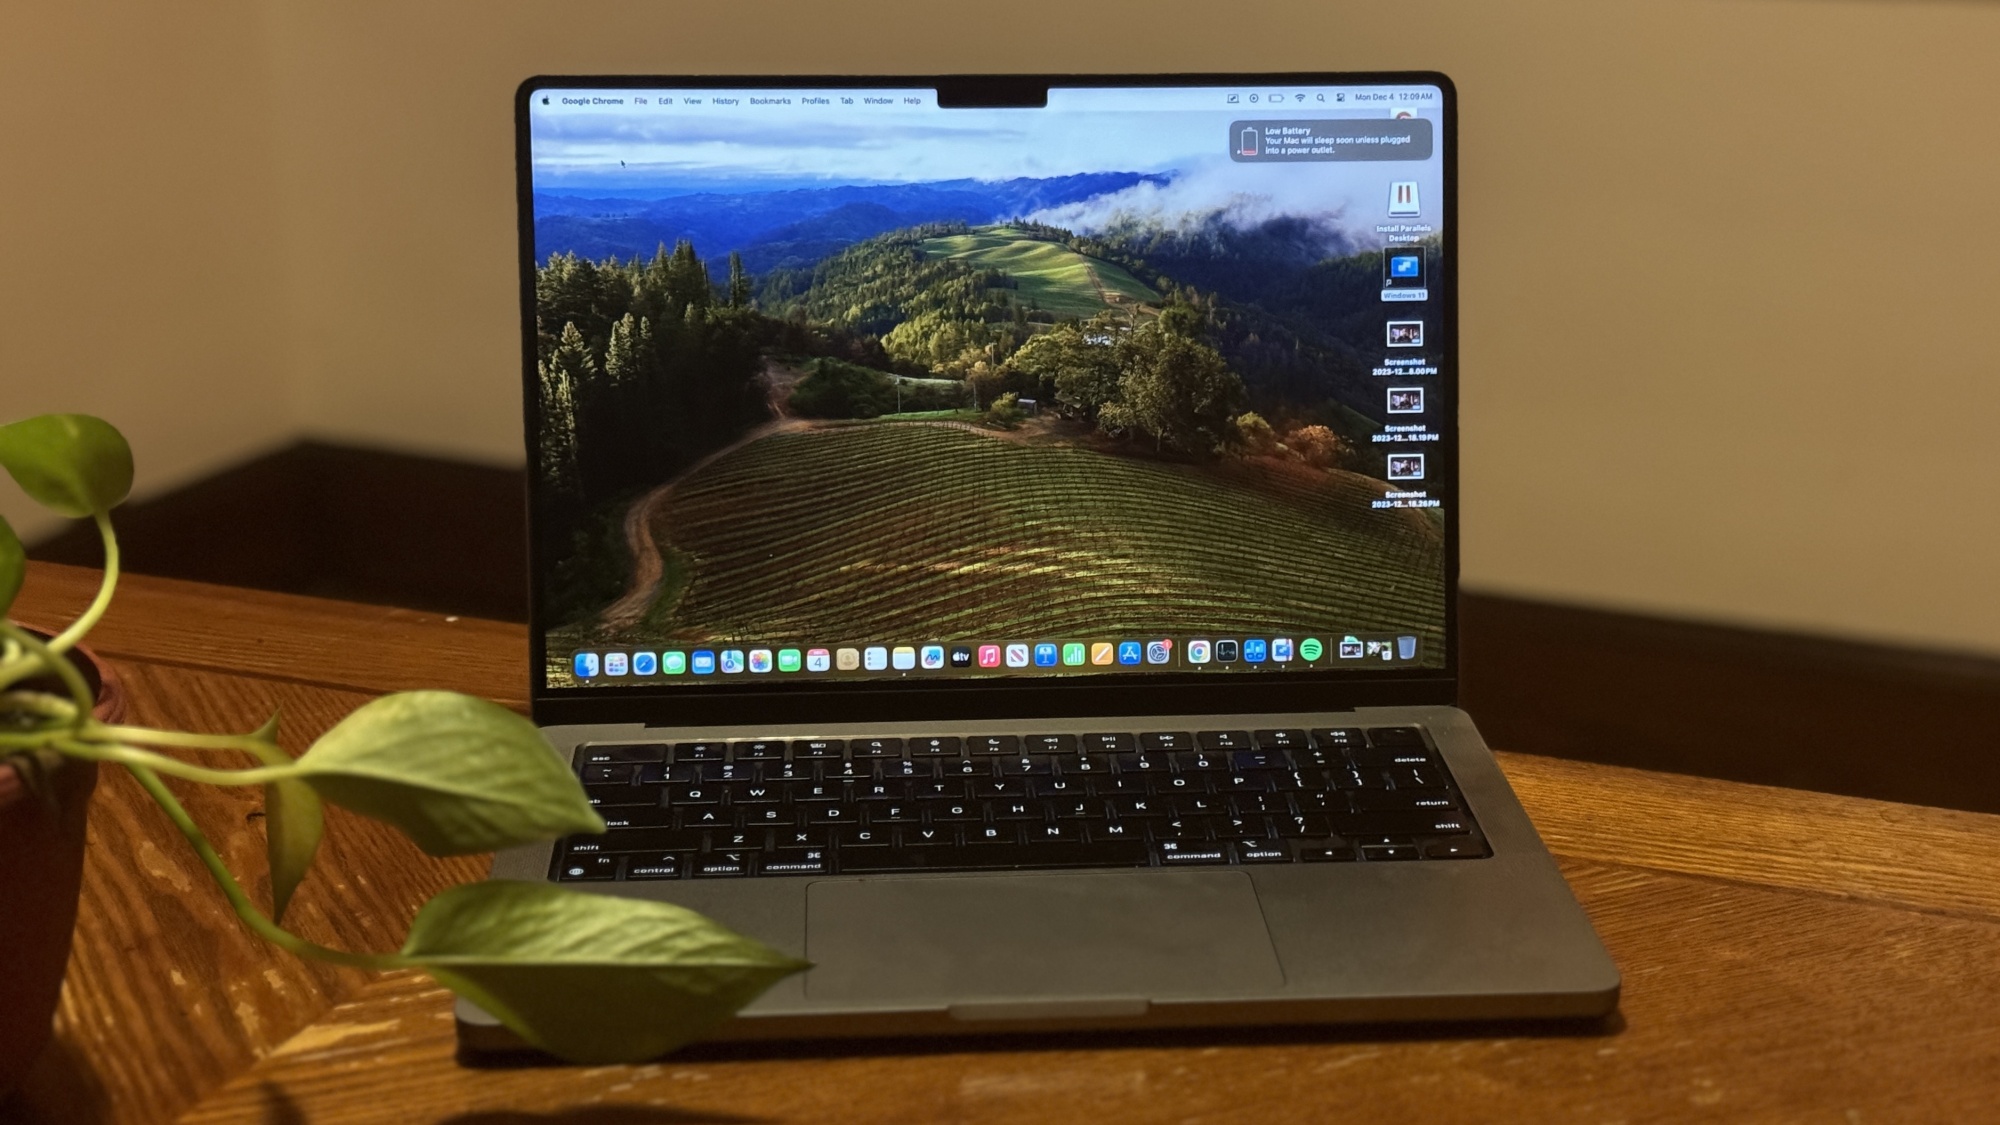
(1034, 950)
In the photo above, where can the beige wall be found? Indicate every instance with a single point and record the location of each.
(138, 219)
(1728, 351)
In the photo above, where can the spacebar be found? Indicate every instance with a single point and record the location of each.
(984, 857)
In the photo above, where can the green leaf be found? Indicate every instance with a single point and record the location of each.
(592, 978)
(13, 564)
(72, 464)
(454, 773)
(294, 822)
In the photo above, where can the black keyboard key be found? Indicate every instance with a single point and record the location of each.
(661, 839)
(700, 751)
(1005, 832)
(1370, 800)
(1109, 853)
(934, 747)
(1177, 853)
(800, 839)
(810, 861)
(749, 839)
(767, 815)
(612, 796)
(1108, 743)
(1389, 851)
(1026, 767)
(1263, 849)
(722, 864)
(1081, 808)
(1143, 763)
(817, 747)
(953, 812)
(1305, 826)
(1017, 810)
(1177, 783)
(1223, 740)
(1243, 782)
(1392, 757)
(950, 789)
(1166, 740)
(875, 747)
(862, 836)
(993, 744)
(966, 767)
(667, 866)
(999, 788)
(1119, 830)
(684, 796)
(1085, 765)
(1325, 851)
(1411, 823)
(1049, 744)
(1273, 759)
(816, 792)
(1059, 786)
(753, 792)
(1191, 760)
(1282, 739)
(702, 816)
(847, 770)
(832, 814)
(1053, 832)
(1456, 849)
(600, 753)
(636, 816)
(928, 836)
(1341, 740)
(589, 868)
(1395, 736)
(891, 812)
(1405, 777)
(1138, 808)
(758, 750)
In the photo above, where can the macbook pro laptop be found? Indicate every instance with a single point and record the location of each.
(996, 538)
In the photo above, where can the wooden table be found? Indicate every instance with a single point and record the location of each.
(1788, 956)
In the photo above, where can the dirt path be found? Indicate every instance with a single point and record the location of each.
(648, 567)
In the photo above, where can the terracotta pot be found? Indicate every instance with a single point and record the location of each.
(41, 865)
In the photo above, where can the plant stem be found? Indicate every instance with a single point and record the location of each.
(239, 900)
(99, 732)
(102, 602)
(136, 758)
(45, 657)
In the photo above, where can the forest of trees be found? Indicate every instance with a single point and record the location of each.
(646, 366)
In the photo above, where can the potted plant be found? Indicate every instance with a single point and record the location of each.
(589, 978)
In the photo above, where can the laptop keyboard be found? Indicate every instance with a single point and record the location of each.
(785, 807)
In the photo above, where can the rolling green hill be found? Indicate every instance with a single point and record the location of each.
(1049, 275)
(901, 531)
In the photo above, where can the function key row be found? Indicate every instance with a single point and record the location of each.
(1338, 741)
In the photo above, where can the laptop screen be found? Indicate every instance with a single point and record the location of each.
(845, 384)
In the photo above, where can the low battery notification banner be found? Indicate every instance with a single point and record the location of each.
(1259, 142)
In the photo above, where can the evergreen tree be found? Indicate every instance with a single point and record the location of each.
(739, 282)
(621, 357)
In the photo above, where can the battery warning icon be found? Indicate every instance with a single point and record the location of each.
(1247, 145)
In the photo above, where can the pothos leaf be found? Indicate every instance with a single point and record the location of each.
(72, 464)
(13, 564)
(592, 978)
(294, 822)
(455, 774)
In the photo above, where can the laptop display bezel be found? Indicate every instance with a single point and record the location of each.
(943, 699)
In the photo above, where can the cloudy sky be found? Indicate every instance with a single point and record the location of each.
(668, 146)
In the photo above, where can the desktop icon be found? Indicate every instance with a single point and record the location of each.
(875, 658)
(731, 661)
(1017, 655)
(674, 662)
(1311, 649)
(586, 665)
(1159, 652)
(645, 664)
(1129, 652)
(1403, 198)
(1281, 649)
(1225, 652)
(614, 664)
(1199, 652)
(1045, 655)
(760, 660)
(818, 660)
(1406, 648)
(1072, 653)
(702, 662)
(989, 656)
(1102, 652)
(932, 657)
(1253, 652)
(847, 659)
(788, 659)
(1350, 647)
(1403, 274)
(903, 658)
(961, 656)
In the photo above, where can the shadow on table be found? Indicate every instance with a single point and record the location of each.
(1097, 1040)
(59, 1088)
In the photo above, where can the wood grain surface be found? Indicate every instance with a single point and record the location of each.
(1788, 956)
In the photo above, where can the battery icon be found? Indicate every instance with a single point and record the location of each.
(1248, 145)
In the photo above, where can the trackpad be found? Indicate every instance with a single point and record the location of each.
(1157, 935)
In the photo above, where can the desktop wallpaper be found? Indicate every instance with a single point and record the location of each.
(818, 372)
